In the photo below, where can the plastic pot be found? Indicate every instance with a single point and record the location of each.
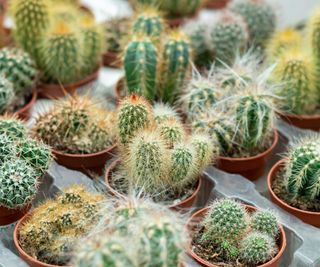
(197, 217)
(111, 59)
(250, 167)
(311, 122)
(8, 216)
(54, 91)
(187, 203)
(23, 255)
(86, 163)
(308, 217)
(217, 4)
(24, 112)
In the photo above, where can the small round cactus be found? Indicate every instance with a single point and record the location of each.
(13, 128)
(163, 112)
(6, 94)
(257, 248)
(265, 222)
(172, 132)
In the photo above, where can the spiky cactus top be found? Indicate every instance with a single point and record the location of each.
(77, 124)
(53, 228)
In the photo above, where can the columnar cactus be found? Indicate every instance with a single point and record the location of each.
(140, 65)
(18, 67)
(205, 149)
(260, 18)
(6, 93)
(175, 65)
(302, 178)
(265, 222)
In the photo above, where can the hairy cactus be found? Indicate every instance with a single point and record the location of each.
(54, 227)
(260, 18)
(302, 177)
(18, 183)
(163, 112)
(31, 19)
(257, 248)
(140, 65)
(175, 65)
(13, 128)
(228, 37)
(134, 113)
(298, 90)
(18, 67)
(172, 132)
(265, 222)
(6, 94)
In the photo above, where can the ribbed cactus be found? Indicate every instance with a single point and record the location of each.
(260, 18)
(265, 222)
(257, 248)
(302, 176)
(18, 67)
(134, 113)
(18, 183)
(140, 65)
(6, 93)
(31, 19)
(13, 128)
(172, 132)
(54, 227)
(228, 37)
(175, 65)
(298, 88)
(163, 112)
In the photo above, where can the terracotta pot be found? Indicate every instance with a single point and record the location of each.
(217, 4)
(8, 216)
(23, 255)
(24, 112)
(111, 59)
(199, 215)
(308, 217)
(54, 91)
(187, 203)
(86, 163)
(311, 122)
(251, 167)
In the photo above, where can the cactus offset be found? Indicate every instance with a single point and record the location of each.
(163, 112)
(172, 132)
(265, 222)
(6, 94)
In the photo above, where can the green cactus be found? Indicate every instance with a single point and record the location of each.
(260, 18)
(134, 113)
(18, 184)
(18, 67)
(13, 128)
(140, 65)
(6, 94)
(257, 248)
(175, 65)
(180, 8)
(163, 112)
(265, 222)
(172, 132)
(7, 148)
(302, 176)
(31, 19)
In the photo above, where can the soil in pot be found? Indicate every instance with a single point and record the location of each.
(8, 216)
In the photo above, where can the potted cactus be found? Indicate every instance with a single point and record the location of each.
(69, 44)
(18, 77)
(228, 233)
(293, 182)
(23, 162)
(46, 236)
(80, 132)
(157, 237)
(158, 156)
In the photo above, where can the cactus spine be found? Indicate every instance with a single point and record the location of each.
(265, 222)
(6, 94)
(172, 132)
(163, 112)
(13, 128)
(180, 8)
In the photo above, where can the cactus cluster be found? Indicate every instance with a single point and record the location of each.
(66, 46)
(159, 155)
(54, 227)
(240, 236)
(76, 125)
(22, 162)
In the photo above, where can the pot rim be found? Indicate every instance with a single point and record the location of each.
(271, 174)
(300, 117)
(260, 155)
(282, 246)
(29, 104)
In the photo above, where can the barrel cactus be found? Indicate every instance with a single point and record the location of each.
(6, 94)
(13, 128)
(265, 222)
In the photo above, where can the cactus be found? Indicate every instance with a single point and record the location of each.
(163, 112)
(18, 184)
(140, 65)
(134, 113)
(180, 8)
(257, 248)
(6, 94)
(288, 38)
(116, 30)
(228, 37)
(31, 19)
(260, 18)
(298, 89)
(54, 227)
(172, 132)
(13, 128)
(18, 67)
(302, 178)
(7, 148)
(265, 222)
